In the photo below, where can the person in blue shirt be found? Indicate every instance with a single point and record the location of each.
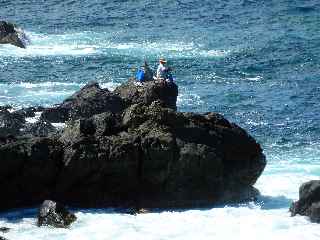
(144, 73)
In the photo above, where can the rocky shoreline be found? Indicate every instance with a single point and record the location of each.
(126, 148)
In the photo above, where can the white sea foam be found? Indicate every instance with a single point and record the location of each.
(26, 94)
(35, 118)
(254, 79)
(59, 125)
(215, 53)
(283, 184)
(110, 85)
(48, 45)
(245, 222)
(87, 43)
(169, 48)
(189, 99)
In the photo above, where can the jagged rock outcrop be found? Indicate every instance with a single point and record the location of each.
(29, 111)
(11, 34)
(148, 92)
(14, 124)
(309, 201)
(40, 128)
(55, 214)
(90, 100)
(131, 152)
(10, 123)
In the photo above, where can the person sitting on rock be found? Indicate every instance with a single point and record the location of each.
(144, 73)
(161, 70)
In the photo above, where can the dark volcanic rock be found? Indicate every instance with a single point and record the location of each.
(55, 214)
(5, 107)
(309, 201)
(4, 229)
(145, 155)
(104, 124)
(148, 92)
(28, 112)
(90, 100)
(40, 129)
(10, 123)
(13, 124)
(11, 34)
(159, 158)
(29, 169)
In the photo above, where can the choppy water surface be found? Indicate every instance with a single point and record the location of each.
(256, 62)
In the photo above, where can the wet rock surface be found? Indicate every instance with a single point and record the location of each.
(10, 123)
(309, 201)
(55, 214)
(40, 128)
(4, 229)
(10, 33)
(130, 148)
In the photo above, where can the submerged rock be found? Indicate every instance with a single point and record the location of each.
(131, 150)
(309, 201)
(55, 215)
(136, 211)
(4, 229)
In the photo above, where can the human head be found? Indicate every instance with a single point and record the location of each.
(162, 60)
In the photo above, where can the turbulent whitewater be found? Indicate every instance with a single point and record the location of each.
(255, 62)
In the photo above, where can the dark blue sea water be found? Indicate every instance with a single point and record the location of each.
(256, 62)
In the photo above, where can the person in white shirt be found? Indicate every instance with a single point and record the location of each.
(162, 69)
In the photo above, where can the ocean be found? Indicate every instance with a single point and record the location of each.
(256, 62)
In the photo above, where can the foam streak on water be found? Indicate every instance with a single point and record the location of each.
(86, 43)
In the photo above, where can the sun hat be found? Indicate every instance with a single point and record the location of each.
(162, 60)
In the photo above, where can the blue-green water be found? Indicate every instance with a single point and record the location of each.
(256, 62)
